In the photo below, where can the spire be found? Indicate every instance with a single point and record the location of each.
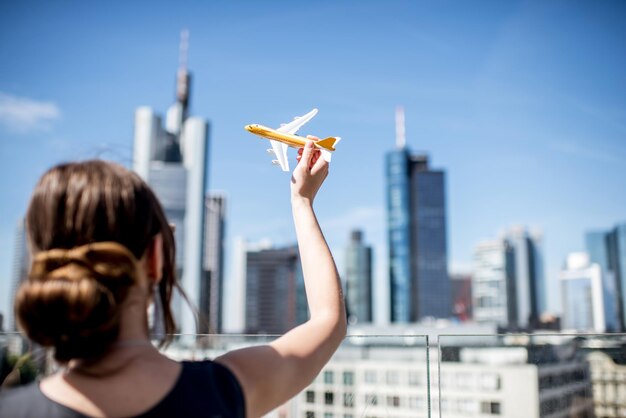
(184, 47)
(183, 78)
(400, 138)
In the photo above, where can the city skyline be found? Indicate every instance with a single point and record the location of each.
(526, 116)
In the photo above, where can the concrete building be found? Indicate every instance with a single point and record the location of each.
(508, 284)
(367, 378)
(358, 279)
(582, 295)
(416, 216)
(607, 361)
(173, 160)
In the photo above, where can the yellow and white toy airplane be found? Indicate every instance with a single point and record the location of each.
(284, 137)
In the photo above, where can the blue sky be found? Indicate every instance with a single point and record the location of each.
(522, 103)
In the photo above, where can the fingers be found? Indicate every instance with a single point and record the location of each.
(307, 153)
(319, 164)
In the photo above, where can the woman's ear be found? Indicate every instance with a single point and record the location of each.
(154, 259)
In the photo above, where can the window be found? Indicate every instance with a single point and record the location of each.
(310, 414)
(393, 401)
(415, 402)
(310, 396)
(392, 377)
(328, 377)
(492, 408)
(414, 378)
(329, 398)
(348, 400)
(490, 381)
(328, 415)
(370, 376)
(348, 378)
(371, 399)
(463, 380)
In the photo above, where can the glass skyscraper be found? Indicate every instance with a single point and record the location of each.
(582, 295)
(608, 250)
(358, 279)
(275, 296)
(508, 286)
(416, 216)
(172, 159)
(212, 285)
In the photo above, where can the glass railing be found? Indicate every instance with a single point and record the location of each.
(448, 376)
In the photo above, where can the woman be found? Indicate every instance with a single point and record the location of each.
(102, 247)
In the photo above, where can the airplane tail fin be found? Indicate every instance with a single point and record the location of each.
(327, 145)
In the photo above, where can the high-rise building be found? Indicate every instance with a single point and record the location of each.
(608, 250)
(212, 286)
(582, 295)
(173, 160)
(358, 279)
(21, 267)
(416, 215)
(275, 297)
(508, 285)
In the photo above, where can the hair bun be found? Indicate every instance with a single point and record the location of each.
(71, 298)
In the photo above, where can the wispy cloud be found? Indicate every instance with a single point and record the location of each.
(356, 217)
(587, 152)
(23, 115)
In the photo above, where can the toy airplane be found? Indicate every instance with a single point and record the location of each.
(284, 137)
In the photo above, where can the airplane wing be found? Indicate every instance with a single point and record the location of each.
(280, 151)
(293, 126)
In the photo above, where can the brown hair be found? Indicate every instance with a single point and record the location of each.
(88, 223)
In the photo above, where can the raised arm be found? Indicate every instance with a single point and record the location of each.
(272, 374)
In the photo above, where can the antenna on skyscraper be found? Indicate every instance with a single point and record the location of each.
(183, 79)
(183, 48)
(400, 133)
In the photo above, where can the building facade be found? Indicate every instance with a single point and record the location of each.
(20, 269)
(416, 218)
(461, 285)
(358, 280)
(582, 295)
(275, 297)
(508, 284)
(608, 376)
(172, 159)
(608, 250)
(391, 380)
(212, 285)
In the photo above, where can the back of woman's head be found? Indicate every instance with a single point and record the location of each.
(88, 225)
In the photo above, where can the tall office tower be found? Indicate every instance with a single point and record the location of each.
(275, 298)
(582, 294)
(212, 286)
(173, 160)
(608, 250)
(508, 285)
(416, 215)
(21, 267)
(358, 279)
(461, 296)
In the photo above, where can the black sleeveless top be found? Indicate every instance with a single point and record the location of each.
(203, 389)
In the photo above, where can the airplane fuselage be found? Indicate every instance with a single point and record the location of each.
(292, 140)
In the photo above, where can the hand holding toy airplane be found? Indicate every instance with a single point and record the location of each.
(284, 137)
